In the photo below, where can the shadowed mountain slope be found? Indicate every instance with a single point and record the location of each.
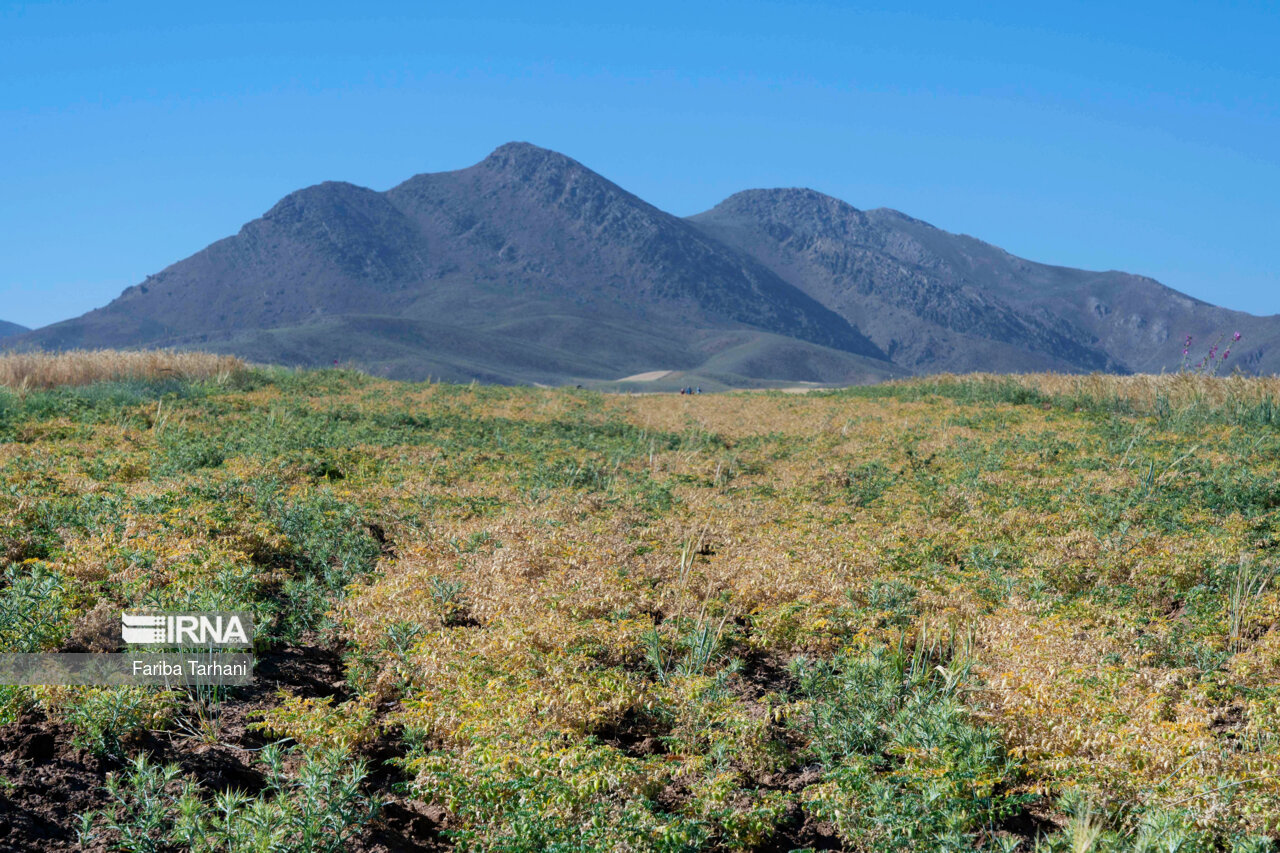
(7, 328)
(937, 301)
(529, 267)
(525, 267)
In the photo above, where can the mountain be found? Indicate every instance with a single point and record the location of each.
(935, 301)
(7, 329)
(525, 267)
(530, 267)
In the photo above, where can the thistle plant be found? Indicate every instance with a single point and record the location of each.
(1212, 360)
(319, 809)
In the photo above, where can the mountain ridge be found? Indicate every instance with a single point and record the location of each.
(1059, 317)
(523, 240)
(529, 267)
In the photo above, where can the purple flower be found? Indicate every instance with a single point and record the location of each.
(1236, 336)
(1225, 354)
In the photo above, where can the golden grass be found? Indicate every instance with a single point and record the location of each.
(1144, 391)
(1088, 561)
(37, 370)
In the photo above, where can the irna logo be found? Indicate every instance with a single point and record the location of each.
(187, 629)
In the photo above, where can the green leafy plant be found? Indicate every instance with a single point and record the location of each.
(867, 482)
(32, 615)
(318, 809)
(103, 717)
(909, 765)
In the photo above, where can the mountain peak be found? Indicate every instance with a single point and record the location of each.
(529, 266)
(786, 199)
(520, 148)
(781, 194)
(319, 199)
(525, 157)
(787, 208)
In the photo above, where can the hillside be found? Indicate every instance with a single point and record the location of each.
(935, 301)
(7, 329)
(527, 267)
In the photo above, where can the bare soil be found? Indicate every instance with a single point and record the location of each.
(48, 781)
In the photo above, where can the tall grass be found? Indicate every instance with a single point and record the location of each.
(1247, 586)
(40, 370)
(1149, 393)
(1177, 398)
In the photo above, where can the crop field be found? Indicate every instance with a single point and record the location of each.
(956, 613)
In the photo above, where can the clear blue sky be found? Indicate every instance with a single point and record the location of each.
(1099, 135)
